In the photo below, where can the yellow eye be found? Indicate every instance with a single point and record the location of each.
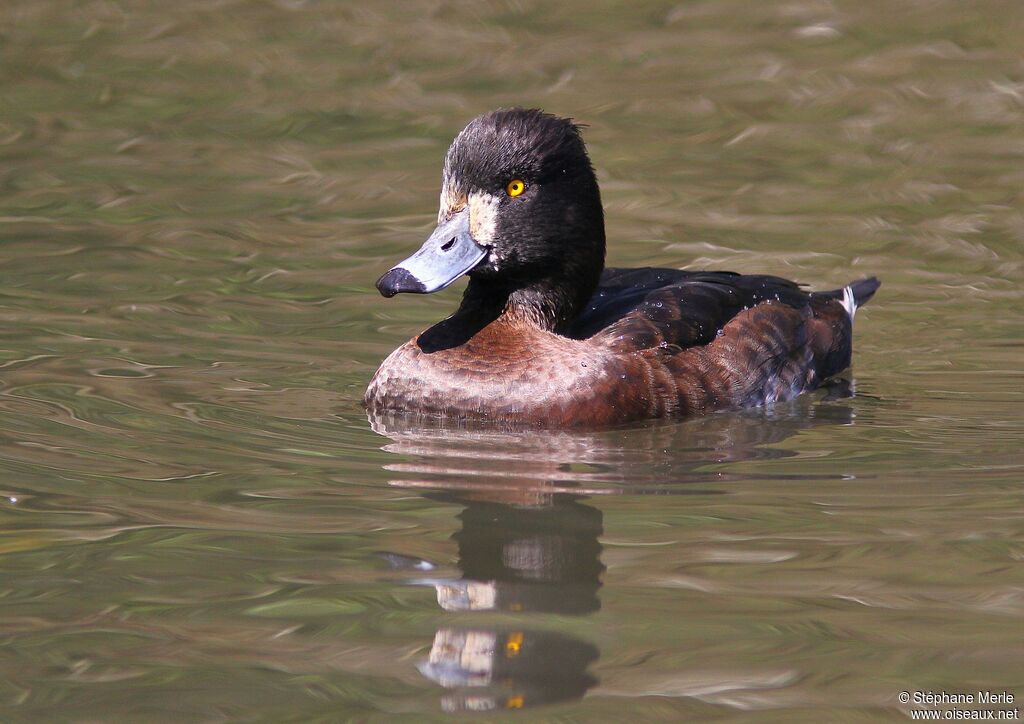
(515, 187)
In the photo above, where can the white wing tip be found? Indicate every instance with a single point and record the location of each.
(849, 302)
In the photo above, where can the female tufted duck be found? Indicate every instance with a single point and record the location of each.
(546, 336)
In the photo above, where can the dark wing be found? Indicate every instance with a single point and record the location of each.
(648, 307)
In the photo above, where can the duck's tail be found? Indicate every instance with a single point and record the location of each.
(831, 330)
(855, 295)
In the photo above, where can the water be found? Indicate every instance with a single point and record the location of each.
(198, 520)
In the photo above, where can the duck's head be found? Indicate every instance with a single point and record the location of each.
(520, 214)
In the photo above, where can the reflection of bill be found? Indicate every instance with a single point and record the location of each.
(488, 669)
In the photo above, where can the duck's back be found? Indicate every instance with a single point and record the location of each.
(720, 339)
(686, 308)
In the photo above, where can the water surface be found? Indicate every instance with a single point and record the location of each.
(199, 523)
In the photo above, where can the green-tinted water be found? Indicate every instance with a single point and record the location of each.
(198, 522)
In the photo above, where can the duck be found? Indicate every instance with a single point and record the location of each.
(546, 336)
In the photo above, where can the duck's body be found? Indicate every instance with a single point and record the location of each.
(545, 337)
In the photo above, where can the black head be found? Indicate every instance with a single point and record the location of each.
(520, 212)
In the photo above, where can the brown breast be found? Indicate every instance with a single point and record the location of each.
(514, 372)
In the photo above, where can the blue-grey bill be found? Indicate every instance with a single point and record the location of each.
(449, 253)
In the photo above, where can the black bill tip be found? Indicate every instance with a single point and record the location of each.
(399, 280)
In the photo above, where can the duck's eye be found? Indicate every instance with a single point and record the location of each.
(515, 187)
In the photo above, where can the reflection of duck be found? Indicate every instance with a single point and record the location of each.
(527, 544)
(545, 337)
(526, 467)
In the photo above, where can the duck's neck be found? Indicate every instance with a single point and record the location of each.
(546, 306)
(551, 303)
